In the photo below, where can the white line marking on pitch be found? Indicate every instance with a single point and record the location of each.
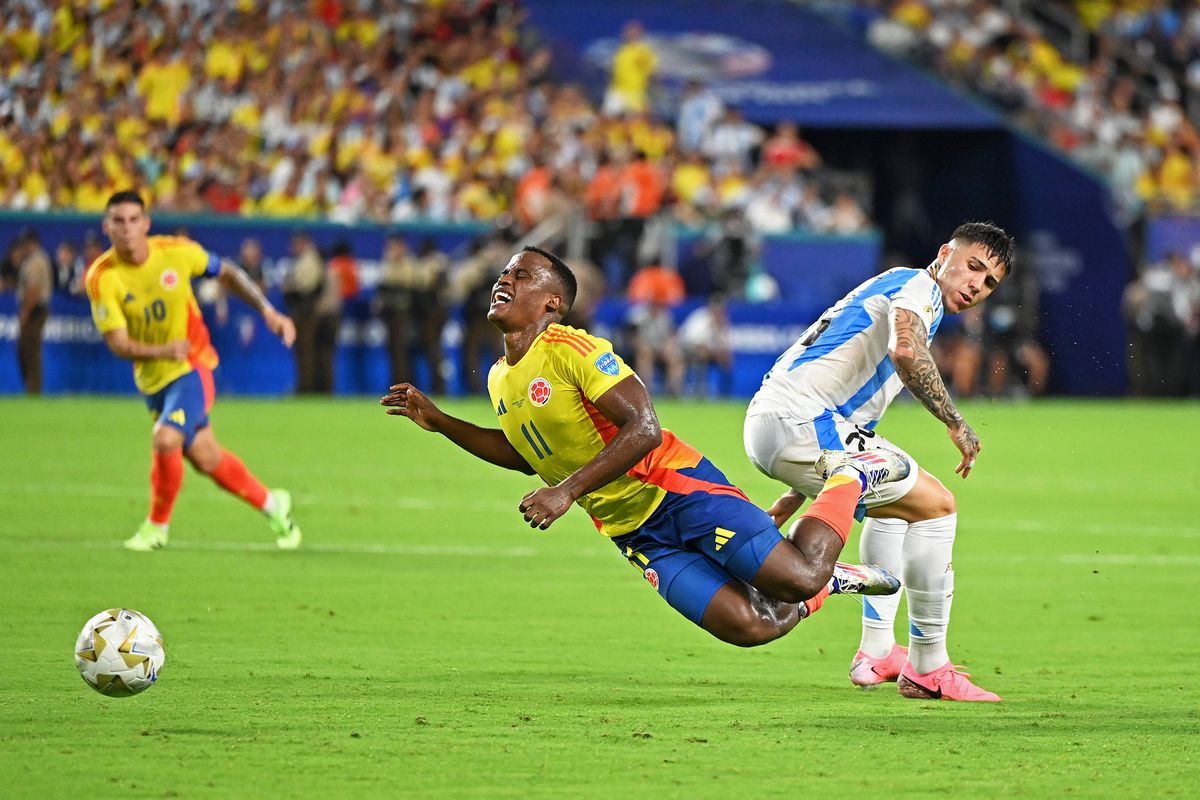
(1070, 559)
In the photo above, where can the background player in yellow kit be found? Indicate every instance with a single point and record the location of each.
(142, 302)
(572, 412)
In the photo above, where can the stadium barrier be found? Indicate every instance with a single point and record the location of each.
(811, 271)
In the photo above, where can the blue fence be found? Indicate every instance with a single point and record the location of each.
(812, 272)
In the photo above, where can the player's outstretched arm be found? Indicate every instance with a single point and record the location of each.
(489, 444)
(788, 504)
(122, 346)
(627, 405)
(235, 279)
(917, 369)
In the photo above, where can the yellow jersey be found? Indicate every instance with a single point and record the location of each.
(153, 301)
(546, 407)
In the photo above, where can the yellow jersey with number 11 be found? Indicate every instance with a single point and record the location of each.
(546, 407)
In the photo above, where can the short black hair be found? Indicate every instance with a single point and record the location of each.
(561, 271)
(126, 196)
(994, 239)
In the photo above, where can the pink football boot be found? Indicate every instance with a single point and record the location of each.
(867, 671)
(944, 683)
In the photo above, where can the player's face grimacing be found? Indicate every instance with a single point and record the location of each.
(967, 274)
(523, 294)
(126, 226)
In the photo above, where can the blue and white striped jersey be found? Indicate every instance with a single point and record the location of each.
(841, 363)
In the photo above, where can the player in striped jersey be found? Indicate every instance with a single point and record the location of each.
(572, 412)
(829, 391)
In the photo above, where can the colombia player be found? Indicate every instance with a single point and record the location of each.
(142, 302)
(573, 413)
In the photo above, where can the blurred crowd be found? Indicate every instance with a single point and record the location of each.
(1113, 83)
(378, 110)
(1162, 313)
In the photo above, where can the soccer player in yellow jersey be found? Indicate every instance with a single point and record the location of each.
(142, 302)
(573, 413)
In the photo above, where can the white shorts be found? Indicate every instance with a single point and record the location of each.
(787, 449)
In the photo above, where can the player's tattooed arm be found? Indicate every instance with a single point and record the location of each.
(235, 279)
(918, 371)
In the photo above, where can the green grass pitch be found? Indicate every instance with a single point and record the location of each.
(426, 643)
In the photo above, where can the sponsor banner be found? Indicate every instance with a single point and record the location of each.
(1172, 234)
(774, 60)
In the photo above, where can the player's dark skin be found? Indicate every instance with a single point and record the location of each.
(528, 298)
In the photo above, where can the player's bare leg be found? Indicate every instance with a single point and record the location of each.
(227, 470)
(800, 572)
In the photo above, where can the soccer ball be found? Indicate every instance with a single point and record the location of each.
(119, 652)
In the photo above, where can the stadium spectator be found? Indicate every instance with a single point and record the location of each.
(1162, 308)
(250, 259)
(732, 140)
(654, 291)
(633, 68)
(707, 341)
(786, 152)
(699, 109)
(328, 324)
(343, 264)
(35, 284)
(302, 286)
(69, 267)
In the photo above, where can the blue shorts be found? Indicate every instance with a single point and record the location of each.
(184, 403)
(696, 542)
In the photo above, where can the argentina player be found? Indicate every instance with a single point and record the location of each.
(829, 391)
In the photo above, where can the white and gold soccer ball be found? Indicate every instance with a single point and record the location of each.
(119, 652)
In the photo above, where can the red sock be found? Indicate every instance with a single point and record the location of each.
(232, 476)
(813, 603)
(166, 476)
(836, 503)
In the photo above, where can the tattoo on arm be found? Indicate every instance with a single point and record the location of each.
(240, 283)
(919, 372)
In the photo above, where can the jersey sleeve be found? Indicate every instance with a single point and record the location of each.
(106, 306)
(194, 259)
(588, 361)
(918, 295)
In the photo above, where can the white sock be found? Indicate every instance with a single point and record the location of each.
(268, 507)
(882, 544)
(929, 579)
(163, 527)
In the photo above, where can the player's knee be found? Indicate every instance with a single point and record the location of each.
(165, 439)
(743, 627)
(204, 459)
(942, 504)
(752, 633)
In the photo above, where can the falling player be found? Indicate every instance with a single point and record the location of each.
(573, 413)
(829, 390)
(142, 302)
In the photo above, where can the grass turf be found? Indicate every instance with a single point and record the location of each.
(426, 643)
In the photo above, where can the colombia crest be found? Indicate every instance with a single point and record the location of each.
(539, 391)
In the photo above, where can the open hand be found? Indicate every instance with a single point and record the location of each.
(406, 400)
(783, 508)
(281, 325)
